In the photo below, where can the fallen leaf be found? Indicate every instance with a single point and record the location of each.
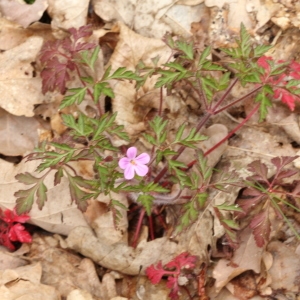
(62, 269)
(247, 257)
(286, 267)
(68, 14)
(9, 260)
(18, 135)
(130, 49)
(24, 283)
(119, 256)
(80, 295)
(13, 34)
(58, 215)
(151, 18)
(20, 89)
(21, 12)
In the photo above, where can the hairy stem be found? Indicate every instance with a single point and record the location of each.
(238, 100)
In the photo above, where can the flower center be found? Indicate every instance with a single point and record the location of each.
(133, 162)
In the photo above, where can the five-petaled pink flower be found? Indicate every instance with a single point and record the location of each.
(134, 164)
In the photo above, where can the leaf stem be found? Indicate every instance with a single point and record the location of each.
(254, 110)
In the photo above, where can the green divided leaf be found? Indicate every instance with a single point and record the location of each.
(164, 153)
(265, 102)
(41, 195)
(186, 48)
(121, 73)
(77, 96)
(204, 55)
(25, 198)
(146, 200)
(159, 127)
(78, 195)
(90, 59)
(26, 178)
(102, 88)
(227, 207)
(261, 50)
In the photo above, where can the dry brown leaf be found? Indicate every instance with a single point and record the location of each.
(10, 260)
(130, 49)
(24, 283)
(18, 135)
(151, 18)
(247, 257)
(21, 12)
(237, 12)
(80, 295)
(64, 270)
(197, 239)
(286, 267)
(13, 34)
(143, 17)
(120, 256)
(20, 89)
(68, 14)
(58, 215)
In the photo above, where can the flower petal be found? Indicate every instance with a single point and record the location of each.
(143, 158)
(129, 171)
(141, 170)
(123, 162)
(131, 152)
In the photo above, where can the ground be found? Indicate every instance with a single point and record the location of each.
(88, 255)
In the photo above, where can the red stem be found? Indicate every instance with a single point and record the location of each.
(238, 100)
(138, 227)
(255, 109)
(150, 219)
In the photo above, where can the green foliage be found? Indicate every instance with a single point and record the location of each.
(263, 98)
(92, 139)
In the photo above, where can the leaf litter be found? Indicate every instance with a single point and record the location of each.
(93, 234)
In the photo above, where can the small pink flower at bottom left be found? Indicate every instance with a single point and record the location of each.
(134, 164)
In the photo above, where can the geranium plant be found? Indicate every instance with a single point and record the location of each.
(157, 177)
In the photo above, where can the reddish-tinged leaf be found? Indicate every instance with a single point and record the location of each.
(261, 227)
(184, 260)
(295, 67)
(10, 216)
(5, 241)
(248, 204)
(296, 190)
(173, 285)
(55, 76)
(83, 31)
(260, 171)
(286, 97)
(17, 233)
(284, 174)
(155, 274)
(263, 62)
(84, 46)
(280, 162)
(49, 50)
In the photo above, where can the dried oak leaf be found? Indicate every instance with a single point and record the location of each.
(20, 89)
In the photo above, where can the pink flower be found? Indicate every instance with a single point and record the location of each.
(132, 164)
